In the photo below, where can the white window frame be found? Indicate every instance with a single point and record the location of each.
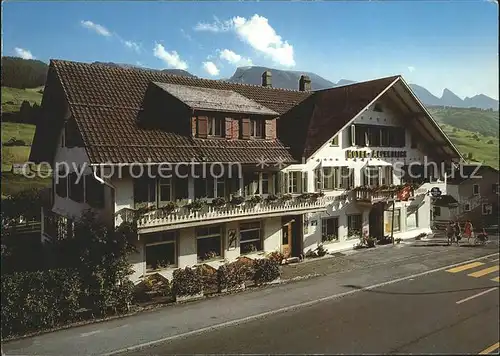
(257, 125)
(221, 239)
(349, 229)
(260, 239)
(220, 182)
(489, 211)
(324, 227)
(298, 178)
(176, 257)
(478, 189)
(212, 126)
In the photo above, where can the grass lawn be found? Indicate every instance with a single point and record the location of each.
(481, 121)
(12, 98)
(24, 132)
(481, 150)
(13, 183)
(14, 154)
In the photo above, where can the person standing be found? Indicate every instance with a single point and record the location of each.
(458, 232)
(468, 230)
(450, 232)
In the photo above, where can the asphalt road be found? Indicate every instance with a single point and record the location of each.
(428, 314)
(396, 299)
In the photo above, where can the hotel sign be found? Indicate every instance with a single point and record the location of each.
(375, 154)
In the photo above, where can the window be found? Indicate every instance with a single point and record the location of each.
(76, 190)
(257, 128)
(161, 250)
(216, 126)
(204, 187)
(329, 178)
(475, 189)
(386, 177)
(346, 178)
(251, 183)
(61, 181)
(265, 183)
(209, 243)
(389, 221)
(329, 229)
(385, 139)
(335, 141)
(373, 136)
(250, 237)
(412, 219)
(94, 192)
(436, 211)
(144, 192)
(371, 175)
(466, 207)
(294, 179)
(487, 209)
(354, 225)
(165, 191)
(495, 188)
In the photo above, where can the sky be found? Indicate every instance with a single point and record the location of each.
(435, 44)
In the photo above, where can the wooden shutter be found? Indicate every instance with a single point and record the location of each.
(245, 128)
(269, 132)
(304, 182)
(351, 182)
(194, 123)
(353, 135)
(202, 126)
(363, 177)
(229, 128)
(344, 177)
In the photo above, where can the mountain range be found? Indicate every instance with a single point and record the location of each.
(288, 79)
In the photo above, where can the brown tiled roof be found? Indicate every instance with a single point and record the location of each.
(208, 99)
(310, 124)
(105, 102)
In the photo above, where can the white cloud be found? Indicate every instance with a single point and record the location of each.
(23, 53)
(411, 69)
(171, 58)
(132, 45)
(101, 30)
(234, 58)
(211, 68)
(257, 32)
(216, 26)
(186, 35)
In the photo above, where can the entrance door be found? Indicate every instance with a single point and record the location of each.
(376, 221)
(286, 236)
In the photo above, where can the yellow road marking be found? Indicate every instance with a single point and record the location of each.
(496, 279)
(484, 271)
(464, 267)
(490, 349)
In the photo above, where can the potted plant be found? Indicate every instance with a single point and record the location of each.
(330, 237)
(370, 241)
(271, 198)
(237, 200)
(170, 207)
(196, 205)
(218, 202)
(255, 199)
(398, 240)
(285, 197)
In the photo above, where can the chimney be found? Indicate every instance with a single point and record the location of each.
(266, 79)
(304, 83)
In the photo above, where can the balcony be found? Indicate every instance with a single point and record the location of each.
(368, 196)
(162, 219)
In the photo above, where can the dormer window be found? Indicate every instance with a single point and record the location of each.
(216, 126)
(257, 128)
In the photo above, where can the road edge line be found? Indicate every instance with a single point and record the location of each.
(288, 308)
(476, 295)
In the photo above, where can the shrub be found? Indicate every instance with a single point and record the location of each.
(209, 279)
(39, 300)
(266, 270)
(187, 281)
(276, 256)
(196, 205)
(169, 207)
(231, 275)
(271, 198)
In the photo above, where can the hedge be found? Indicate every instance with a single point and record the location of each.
(187, 281)
(266, 270)
(232, 275)
(39, 300)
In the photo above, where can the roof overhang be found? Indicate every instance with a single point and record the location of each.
(422, 120)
